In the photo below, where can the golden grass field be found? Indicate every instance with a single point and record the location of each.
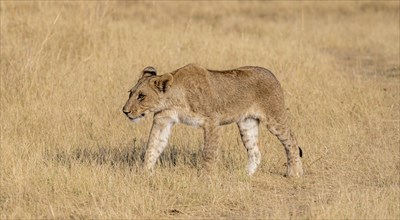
(67, 151)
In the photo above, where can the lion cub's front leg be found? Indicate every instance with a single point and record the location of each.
(158, 140)
(211, 143)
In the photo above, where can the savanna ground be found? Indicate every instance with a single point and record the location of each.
(67, 151)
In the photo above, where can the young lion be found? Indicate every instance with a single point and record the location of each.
(208, 99)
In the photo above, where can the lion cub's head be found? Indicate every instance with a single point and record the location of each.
(148, 95)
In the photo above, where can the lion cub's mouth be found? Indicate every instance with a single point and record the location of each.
(136, 119)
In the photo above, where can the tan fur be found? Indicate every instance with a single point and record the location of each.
(208, 99)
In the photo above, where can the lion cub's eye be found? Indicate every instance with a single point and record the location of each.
(140, 97)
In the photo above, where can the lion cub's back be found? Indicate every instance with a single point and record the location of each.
(249, 72)
(248, 79)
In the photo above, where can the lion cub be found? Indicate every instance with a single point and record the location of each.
(208, 99)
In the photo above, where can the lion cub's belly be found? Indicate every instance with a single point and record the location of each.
(197, 120)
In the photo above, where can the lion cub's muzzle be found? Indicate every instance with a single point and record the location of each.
(133, 118)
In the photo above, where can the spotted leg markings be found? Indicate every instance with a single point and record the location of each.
(249, 134)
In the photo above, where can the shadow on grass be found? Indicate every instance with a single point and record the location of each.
(131, 155)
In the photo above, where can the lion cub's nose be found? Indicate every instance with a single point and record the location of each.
(126, 112)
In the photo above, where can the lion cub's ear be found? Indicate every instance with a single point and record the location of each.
(149, 71)
(163, 82)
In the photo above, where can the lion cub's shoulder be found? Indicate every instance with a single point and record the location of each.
(189, 69)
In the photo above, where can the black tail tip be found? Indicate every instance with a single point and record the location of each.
(300, 152)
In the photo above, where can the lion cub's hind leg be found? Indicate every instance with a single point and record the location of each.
(282, 131)
(249, 133)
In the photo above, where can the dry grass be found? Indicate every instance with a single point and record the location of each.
(67, 151)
